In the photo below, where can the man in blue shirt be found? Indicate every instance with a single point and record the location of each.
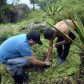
(16, 52)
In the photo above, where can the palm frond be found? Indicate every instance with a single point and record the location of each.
(80, 28)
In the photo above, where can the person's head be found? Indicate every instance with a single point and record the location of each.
(34, 38)
(49, 34)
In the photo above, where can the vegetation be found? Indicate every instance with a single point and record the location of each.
(72, 71)
(55, 72)
(6, 13)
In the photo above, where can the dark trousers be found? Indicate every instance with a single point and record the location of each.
(19, 79)
(17, 69)
(63, 50)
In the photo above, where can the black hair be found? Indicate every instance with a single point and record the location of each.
(49, 33)
(28, 36)
(35, 36)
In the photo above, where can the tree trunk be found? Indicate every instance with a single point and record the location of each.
(33, 6)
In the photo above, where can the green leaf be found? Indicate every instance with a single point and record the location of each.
(80, 28)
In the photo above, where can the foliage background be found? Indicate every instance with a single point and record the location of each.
(56, 72)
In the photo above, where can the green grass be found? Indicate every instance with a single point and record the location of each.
(56, 71)
(50, 75)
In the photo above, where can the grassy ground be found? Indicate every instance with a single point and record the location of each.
(54, 72)
(50, 75)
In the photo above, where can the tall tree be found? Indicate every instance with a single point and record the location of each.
(33, 2)
(2, 3)
(15, 2)
(42, 3)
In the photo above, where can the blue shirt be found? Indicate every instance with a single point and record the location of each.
(14, 47)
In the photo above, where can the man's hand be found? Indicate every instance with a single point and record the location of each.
(55, 45)
(48, 63)
(47, 59)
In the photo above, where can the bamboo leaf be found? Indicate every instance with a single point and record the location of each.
(79, 24)
(80, 28)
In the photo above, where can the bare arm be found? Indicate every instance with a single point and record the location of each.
(65, 41)
(50, 48)
(35, 61)
(62, 43)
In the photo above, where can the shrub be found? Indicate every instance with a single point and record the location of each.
(4, 35)
(7, 14)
